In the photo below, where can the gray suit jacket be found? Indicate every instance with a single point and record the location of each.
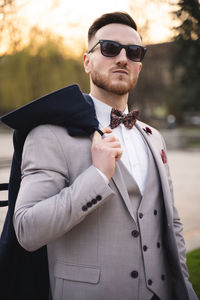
(65, 203)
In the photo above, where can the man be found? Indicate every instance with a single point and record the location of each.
(104, 206)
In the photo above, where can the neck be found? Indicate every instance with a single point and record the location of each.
(116, 101)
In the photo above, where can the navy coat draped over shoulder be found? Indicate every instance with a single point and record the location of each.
(23, 274)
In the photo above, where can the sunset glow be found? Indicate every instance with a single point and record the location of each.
(71, 19)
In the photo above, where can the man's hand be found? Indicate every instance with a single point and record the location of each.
(105, 152)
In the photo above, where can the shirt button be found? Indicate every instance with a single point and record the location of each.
(134, 274)
(145, 248)
(135, 233)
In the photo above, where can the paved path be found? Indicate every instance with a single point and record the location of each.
(185, 171)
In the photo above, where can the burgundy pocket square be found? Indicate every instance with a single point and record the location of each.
(164, 156)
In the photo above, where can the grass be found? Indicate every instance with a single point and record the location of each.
(195, 143)
(193, 263)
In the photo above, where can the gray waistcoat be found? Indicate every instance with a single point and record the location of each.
(148, 211)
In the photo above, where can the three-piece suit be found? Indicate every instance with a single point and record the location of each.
(104, 241)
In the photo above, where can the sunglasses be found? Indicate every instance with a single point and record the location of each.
(111, 49)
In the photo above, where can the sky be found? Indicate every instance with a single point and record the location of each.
(71, 18)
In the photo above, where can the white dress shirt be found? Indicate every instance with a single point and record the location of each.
(135, 154)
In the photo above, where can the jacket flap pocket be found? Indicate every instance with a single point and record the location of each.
(77, 273)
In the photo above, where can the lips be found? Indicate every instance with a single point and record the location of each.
(121, 71)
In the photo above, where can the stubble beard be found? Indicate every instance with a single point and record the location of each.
(115, 88)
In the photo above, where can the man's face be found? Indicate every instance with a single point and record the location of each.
(118, 74)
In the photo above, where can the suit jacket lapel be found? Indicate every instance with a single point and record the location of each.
(156, 148)
(118, 180)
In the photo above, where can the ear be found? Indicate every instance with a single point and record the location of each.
(140, 67)
(86, 62)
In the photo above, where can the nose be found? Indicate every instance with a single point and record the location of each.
(121, 58)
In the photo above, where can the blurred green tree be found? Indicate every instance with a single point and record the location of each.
(41, 67)
(186, 59)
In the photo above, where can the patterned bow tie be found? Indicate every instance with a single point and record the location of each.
(117, 117)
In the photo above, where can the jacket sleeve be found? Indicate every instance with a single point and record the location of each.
(48, 205)
(177, 225)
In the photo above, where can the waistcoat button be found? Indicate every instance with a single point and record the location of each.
(141, 215)
(134, 274)
(158, 245)
(135, 233)
(163, 277)
(145, 248)
(155, 212)
(150, 282)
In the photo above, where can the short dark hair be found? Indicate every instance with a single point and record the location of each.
(109, 18)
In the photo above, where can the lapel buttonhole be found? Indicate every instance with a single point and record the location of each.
(164, 156)
(147, 130)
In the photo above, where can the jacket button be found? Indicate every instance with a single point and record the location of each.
(158, 245)
(89, 204)
(94, 201)
(84, 208)
(150, 282)
(145, 248)
(155, 212)
(141, 215)
(134, 274)
(135, 233)
(98, 198)
(163, 277)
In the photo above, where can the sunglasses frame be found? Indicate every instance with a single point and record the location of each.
(144, 49)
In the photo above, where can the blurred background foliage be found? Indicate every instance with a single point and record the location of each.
(186, 59)
(168, 84)
(37, 69)
(169, 81)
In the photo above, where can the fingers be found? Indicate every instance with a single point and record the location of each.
(97, 137)
(117, 154)
(109, 141)
(110, 138)
(113, 144)
(105, 152)
(106, 130)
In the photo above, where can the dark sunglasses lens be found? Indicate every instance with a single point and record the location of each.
(110, 49)
(135, 53)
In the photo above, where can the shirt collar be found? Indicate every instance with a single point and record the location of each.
(103, 111)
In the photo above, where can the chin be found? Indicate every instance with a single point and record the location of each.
(120, 88)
